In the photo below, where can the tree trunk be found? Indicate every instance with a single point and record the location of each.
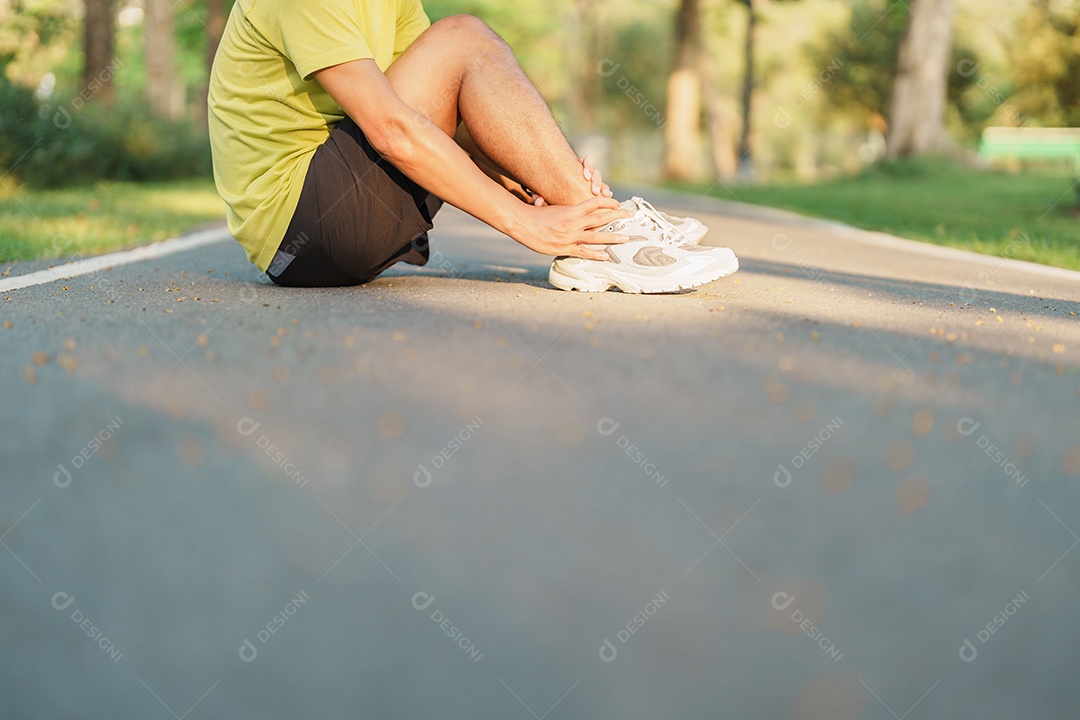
(216, 18)
(917, 105)
(723, 119)
(746, 160)
(683, 120)
(215, 27)
(161, 94)
(99, 30)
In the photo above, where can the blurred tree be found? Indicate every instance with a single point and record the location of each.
(210, 31)
(865, 56)
(683, 128)
(862, 59)
(163, 94)
(36, 37)
(1046, 63)
(916, 109)
(216, 15)
(746, 161)
(99, 32)
(722, 115)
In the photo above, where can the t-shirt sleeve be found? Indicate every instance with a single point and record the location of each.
(412, 20)
(313, 35)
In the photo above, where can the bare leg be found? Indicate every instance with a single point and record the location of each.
(460, 69)
(490, 168)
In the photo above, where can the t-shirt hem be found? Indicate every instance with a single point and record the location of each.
(330, 58)
(291, 201)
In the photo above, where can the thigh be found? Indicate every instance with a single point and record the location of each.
(428, 75)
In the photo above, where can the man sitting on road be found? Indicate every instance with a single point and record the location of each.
(338, 128)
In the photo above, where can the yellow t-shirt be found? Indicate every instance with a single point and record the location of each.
(267, 114)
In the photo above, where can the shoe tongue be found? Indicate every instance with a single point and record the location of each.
(630, 205)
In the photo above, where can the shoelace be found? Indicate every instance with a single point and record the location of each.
(668, 233)
(657, 217)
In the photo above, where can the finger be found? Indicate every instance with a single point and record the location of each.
(607, 192)
(597, 183)
(588, 253)
(539, 201)
(601, 217)
(600, 203)
(594, 237)
(588, 167)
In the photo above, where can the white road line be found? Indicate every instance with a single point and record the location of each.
(116, 259)
(944, 252)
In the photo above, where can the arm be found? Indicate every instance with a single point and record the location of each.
(433, 160)
(516, 187)
(489, 168)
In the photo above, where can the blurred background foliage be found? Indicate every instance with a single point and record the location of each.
(823, 74)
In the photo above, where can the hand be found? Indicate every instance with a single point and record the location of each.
(592, 174)
(569, 229)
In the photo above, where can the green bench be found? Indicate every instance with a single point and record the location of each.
(1000, 143)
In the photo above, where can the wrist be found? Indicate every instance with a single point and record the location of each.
(513, 217)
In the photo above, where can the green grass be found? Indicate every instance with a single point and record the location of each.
(1029, 216)
(95, 219)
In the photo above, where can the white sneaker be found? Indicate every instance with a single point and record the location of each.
(690, 229)
(656, 259)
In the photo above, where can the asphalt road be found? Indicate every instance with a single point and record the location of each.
(842, 483)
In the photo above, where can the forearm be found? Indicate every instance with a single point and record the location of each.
(501, 178)
(433, 160)
(490, 167)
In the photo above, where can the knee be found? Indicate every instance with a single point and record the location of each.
(469, 30)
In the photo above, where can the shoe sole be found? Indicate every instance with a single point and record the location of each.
(602, 282)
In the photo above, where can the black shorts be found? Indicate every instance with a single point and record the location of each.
(357, 216)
